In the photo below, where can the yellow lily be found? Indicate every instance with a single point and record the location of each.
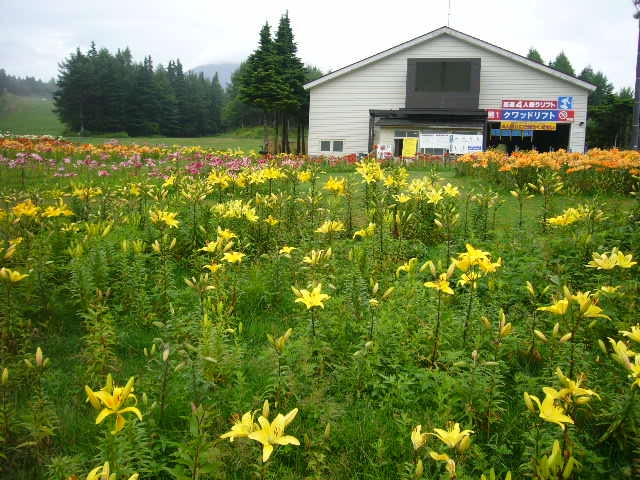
(241, 428)
(12, 276)
(286, 250)
(634, 334)
(313, 298)
(113, 399)
(442, 284)
(558, 308)
(272, 433)
(330, 226)
(233, 257)
(102, 472)
(452, 437)
(572, 390)
(418, 438)
(549, 411)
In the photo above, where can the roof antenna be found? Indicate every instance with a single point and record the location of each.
(449, 14)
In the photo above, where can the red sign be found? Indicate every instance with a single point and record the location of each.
(494, 114)
(565, 115)
(531, 104)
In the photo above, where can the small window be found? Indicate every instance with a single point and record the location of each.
(325, 146)
(337, 145)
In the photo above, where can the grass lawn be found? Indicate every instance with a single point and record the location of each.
(35, 116)
(28, 116)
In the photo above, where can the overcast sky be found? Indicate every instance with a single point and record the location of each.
(36, 35)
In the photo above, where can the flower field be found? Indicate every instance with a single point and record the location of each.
(184, 313)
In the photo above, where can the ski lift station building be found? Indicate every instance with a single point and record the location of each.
(451, 92)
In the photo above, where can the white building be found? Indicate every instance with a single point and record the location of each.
(452, 92)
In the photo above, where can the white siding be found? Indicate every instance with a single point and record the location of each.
(340, 107)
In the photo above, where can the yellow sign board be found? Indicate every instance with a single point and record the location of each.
(409, 147)
(551, 126)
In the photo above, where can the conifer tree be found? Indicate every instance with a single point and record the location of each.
(562, 64)
(534, 55)
(262, 85)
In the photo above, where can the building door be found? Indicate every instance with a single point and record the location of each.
(397, 147)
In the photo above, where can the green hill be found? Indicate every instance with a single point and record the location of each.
(28, 116)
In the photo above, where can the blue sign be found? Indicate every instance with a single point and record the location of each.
(530, 115)
(565, 103)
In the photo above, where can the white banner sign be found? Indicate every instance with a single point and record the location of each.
(435, 140)
(454, 142)
(462, 144)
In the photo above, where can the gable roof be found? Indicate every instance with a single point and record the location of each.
(461, 36)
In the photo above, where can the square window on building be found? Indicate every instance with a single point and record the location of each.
(337, 145)
(325, 146)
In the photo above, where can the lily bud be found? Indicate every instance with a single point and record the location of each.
(265, 409)
(165, 354)
(566, 337)
(463, 444)
(5, 376)
(327, 432)
(556, 330)
(419, 469)
(39, 357)
(506, 330)
(529, 403)
(540, 335)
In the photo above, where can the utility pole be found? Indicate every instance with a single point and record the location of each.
(635, 141)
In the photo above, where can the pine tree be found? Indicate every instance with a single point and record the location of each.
(72, 91)
(534, 55)
(216, 99)
(292, 71)
(562, 64)
(262, 85)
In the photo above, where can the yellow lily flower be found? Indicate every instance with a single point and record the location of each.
(452, 437)
(286, 250)
(103, 472)
(558, 308)
(610, 260)
(335, 185)
(572, 390)
(442, 284)
(12, 276)
(225, 234)
(304, 176)
(418, 438)
(25, 209)
(242, 427)
(233, 257)
(408, 267)
(549, 411)
(272, 221)
(331, 226)
(313, 298)
(634, 334)
(450, 191)
(272, 433)
(113, 399)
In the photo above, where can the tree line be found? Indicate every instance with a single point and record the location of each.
(609, 113)
(99, 92)
(27, 86)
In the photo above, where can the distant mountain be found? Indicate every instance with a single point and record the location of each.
(224, 71)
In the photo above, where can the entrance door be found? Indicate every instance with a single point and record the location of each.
(397, 147)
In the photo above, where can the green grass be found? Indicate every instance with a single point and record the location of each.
(28, 116)
(34, 116)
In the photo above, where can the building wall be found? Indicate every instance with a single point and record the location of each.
(340, 107)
